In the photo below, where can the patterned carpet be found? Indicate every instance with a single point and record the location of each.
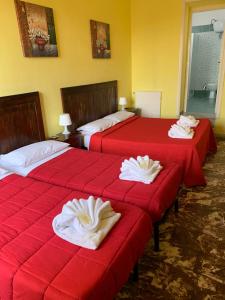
(191, 263)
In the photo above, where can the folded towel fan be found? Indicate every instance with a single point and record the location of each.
(142, 169)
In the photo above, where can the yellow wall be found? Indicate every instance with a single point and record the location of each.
(75, 65)
(157, 36)
(156, 28)
(145, 44)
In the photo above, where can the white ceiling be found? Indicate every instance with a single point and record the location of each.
(204, 18)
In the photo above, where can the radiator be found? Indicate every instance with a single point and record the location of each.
(149, 102)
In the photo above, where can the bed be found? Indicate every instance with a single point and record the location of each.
(137, 135)
(97, 173)
(37, 264)
(130, 138)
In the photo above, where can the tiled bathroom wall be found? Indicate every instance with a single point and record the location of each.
(205, 57)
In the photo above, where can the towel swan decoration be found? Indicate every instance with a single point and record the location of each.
(85, 222)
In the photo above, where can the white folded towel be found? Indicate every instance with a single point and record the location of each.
(85, 222)
(142, 169)
(188, 121)
(181, 132)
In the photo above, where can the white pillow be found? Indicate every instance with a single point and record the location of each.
(3, 171)
(27, 155)
(119, 116)
(96, 126)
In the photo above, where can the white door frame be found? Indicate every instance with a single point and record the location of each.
(188, 75)
(221, 76)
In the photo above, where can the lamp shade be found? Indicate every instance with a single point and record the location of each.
(64, 120)
(123, 101)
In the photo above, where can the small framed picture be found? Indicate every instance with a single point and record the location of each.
(100, 39)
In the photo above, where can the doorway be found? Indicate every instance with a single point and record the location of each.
(204, 62)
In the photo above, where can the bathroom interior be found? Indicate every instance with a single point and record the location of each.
(205, 59)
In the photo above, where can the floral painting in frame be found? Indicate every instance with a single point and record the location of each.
(37, 29)
(100, 39)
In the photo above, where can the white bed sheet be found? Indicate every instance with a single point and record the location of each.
(87, 139)
(5, 175)
(24, 171)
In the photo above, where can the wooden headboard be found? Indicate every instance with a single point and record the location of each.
(20, 121)
(87, 103)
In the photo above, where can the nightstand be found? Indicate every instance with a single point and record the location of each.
(75, 139)
(135, 110)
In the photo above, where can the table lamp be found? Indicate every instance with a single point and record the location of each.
(65, 120)
(123, 102)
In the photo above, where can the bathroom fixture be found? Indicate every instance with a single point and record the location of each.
(212, 87)
(218, 26)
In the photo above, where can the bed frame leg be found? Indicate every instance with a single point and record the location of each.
(156, 236)
(135, 276)
(176, 206)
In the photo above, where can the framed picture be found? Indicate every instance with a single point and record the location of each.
(100, 39)
(37, 29)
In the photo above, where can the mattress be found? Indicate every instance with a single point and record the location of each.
(98, 173)
(36, 264)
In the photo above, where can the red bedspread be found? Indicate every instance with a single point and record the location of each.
(36, 264)
(140, 136)
(98, 174)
